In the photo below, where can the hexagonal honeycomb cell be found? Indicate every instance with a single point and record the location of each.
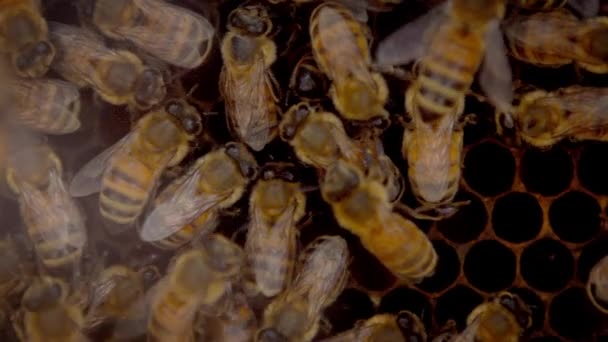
(534, 224)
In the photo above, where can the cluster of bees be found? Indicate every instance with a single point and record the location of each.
(128, 53)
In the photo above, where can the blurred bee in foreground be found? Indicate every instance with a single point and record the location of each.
(597, 285)
(46, 105)
(319, 139)
(361, 206)
(307, 82)
(118, 298)
(198, 277)
(557, 38)
(586, 8)
(46, 314)
(118, 76)
(403, 327)
(237, 323)
(127, 173)
(544, 118)
(246, 82)
(169, 32)
(295, 314)
(457, 38)
(54, 223)
(504, 318)
(341, 49)
(190, 205)
(24, 36)
(277, 203)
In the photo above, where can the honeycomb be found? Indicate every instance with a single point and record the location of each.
(535, 224)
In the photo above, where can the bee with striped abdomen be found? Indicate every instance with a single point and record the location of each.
(237, 323)
(403, 327)
(127, 173)
(361, 206)
(322, 274)
(190, 205)
(24, 36)
(276, 204)
(167, 31)
(340, 47)
(118, 76)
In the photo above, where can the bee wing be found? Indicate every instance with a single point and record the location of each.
(495, 77)
(87, 180)
(409, 42)
(586, 8)
(181, 208)
(357, 7)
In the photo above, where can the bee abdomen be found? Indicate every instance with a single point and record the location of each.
(270, 270)
(123, 196)
(177, 239)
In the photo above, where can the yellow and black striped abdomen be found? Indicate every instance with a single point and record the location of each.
(445, 74)
(171, 317)
(206, 221)
(125, 189)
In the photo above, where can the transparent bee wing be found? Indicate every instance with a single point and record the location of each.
(358, 8)
(495, 76)
(185, 205)
(87, 180)
(409, 42)
(586, 8)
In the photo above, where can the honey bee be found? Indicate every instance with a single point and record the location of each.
(169, 32)
(277, 203)
(361, 206)
(118, 76)
(46, 314)
(190, 205)
(597, 285)
(46, 105)
(246, 81)
(295, 314)
(307, 82)
(54, 222)
(198, 277)
(118, 297)
(127, 173)
(319, 139)
(341, 49)
(587, 8)
(385, 327)
(503, 318)
(558, 38)
(24, 37)
(236, 324)
(544, 118)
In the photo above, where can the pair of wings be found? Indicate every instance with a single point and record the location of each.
(410, 42)
(40, 104)
(164, 25)
(54, 205)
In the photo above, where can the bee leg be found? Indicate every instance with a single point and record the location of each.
(417, 213)
(325, 327)
(468, 119)
(396, 72)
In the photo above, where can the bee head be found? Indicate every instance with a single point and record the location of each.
(340, 180)
(292, 120)
(43, 295)
(34, 59)
(247, 163)
(270, 335)
(250, 20)
(538, 120)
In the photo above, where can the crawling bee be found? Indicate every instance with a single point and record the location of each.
(504, 318)
(46, 105)
(236, 324)
(118, 76)
(319, 139)
(557, 38)
(385, 327)
(54, 223)
(544, 118)
(361, 206)
(118, 297)
(46, 314)
(341, 49)
(127, 173)
(456, 36)
(295, 314)
(307, 82)
(190, 205)
(277, 203)
(198, 277)
(169, 32)
(587, 8)
(597, 285)
(246, 81)
(24, 37)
